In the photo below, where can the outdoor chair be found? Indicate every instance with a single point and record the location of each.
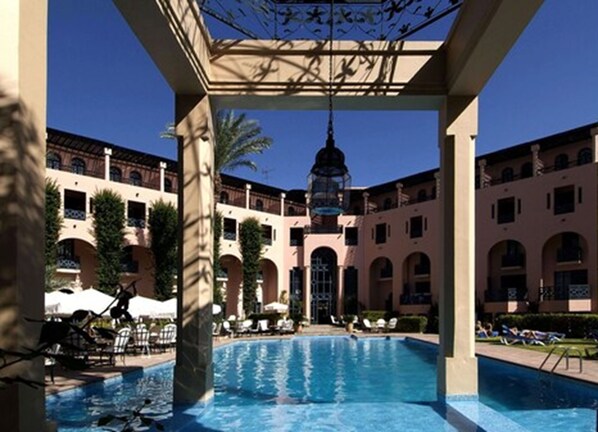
(49, 360)
(392, 324)
(141, 337)
(335, 322)
(380, 325)
(165, 338)
(261, 327)
(366, 324)
(532, 337)
(216, 329)
(244, 327)
(118, 347)
(286, 327)
(226, 329)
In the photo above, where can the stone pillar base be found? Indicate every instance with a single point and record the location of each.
(457, 377)
(193, 385)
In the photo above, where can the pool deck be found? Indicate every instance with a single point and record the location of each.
(66, 379)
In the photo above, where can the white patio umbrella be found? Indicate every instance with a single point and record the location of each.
(170, 307)
(89, 299)
(52, 301)
(144, 306)
(276, 307)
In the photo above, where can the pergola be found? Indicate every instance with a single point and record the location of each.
(205, 75)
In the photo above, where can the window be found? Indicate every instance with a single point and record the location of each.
(116, 175)
(507, 175)
(387, 204)
(259, 205)
(351, 238)
(135, 214)
(229, 229)
(135, 178)
(167, 185)
(74, 205)
(422, 195)
(291, 211)
(564, 200)
(78, 166)
(267, 234)
(224, 197)
(53, 161)
(506, 210)
(381, 233)
(527, 170)
(584, 156)
(416, 227)
(386, 269)
(296, 237)
(127, 263)
(561, 162)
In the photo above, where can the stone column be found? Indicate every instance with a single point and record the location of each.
(437, 183)
(162, 168)
(107, 154)
(366, 202)
(594, 145)
(23, 31)
(482, 173)
(193, 372)
(247, 195)
(307, 293)
(399, 194)
(340, 289)
(457, 364)
(282, 197)
(536, 162)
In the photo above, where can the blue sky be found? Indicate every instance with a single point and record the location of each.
(102, 84)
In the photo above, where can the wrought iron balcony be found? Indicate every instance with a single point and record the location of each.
(222, 275)
(569, 254)
(506, 294)
(74, 214)
(565, 292)
(129, 267)
(416, 299)
(136, 222)
(323, 229)
(229, 235)
(512, 260)
(68, 263)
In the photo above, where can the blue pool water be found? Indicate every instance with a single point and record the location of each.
(337, 383)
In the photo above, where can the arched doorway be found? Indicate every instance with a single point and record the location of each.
(381, 276)
(417, 285)
(323, 285)
(230, 279)
(507, 278)
(268, 282)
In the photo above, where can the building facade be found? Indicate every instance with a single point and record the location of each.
(536, 230)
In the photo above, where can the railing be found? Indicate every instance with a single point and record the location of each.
(68, 263)
(267, 241)
(323, 229)
(229, 235)
(568, 292)
(87, 173)
(136, 222)
(570, 254)
(422, 269)
(416, 299)
(512, 260)
(129, 267)
(506, 294)
(296, 242)
(74, 214)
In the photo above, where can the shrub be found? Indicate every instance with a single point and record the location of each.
(412, 324)
(373, 315)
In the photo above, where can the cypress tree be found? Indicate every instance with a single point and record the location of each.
(251, 251)
(53, 227)
(163, 235)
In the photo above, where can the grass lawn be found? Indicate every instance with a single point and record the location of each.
(583, 345)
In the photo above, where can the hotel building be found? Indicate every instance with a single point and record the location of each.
(536, 230)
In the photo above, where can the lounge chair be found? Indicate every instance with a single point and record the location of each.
(380, 325)
(165, 337)
(335, 322)
(244, 327)
(141, 337)
(286, 327)
(261, 327)
(532, 337)
(392, 324)
(226, 328)
(118, 347)
(366, 324)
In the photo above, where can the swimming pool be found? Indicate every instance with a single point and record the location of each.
(338, 383)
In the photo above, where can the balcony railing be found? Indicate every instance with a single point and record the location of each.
(568, 292)
(323, 229)
(267, 241)
(416, 299)
(570, 254)
(74, 214)
(222, 275)
(68, 263)
(229, 235)
(129, 267)
(422, 269)
(136, 222)
(506, 294)
(512, 260)
(296, 242)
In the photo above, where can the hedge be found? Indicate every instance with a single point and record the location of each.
(411, 324)
(573, 325)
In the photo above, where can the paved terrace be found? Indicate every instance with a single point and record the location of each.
(65, 379)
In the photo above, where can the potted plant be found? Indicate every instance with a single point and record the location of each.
(298, 322)
(349, 321)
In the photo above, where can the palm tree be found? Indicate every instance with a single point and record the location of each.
(236, 139)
